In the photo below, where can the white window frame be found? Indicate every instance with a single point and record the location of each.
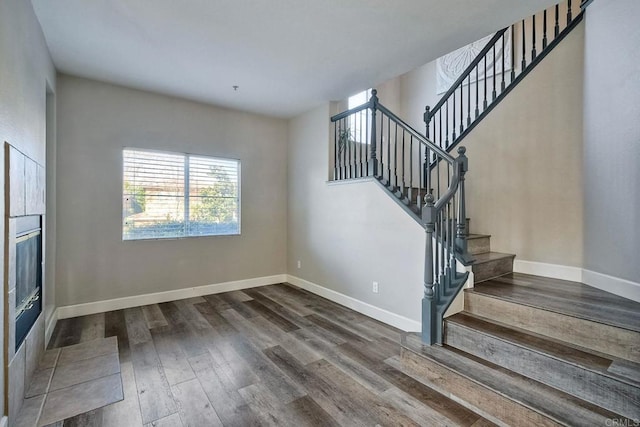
(186, 196)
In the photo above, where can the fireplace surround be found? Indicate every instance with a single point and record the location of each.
(24, 235)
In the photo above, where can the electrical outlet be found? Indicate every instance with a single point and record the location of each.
(375, 287)
(299, 264)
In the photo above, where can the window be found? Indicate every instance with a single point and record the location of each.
(172, 195)
(359, 122)
(359, 99)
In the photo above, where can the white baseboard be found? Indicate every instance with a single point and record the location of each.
(158, 297)
(3, 421)
(377, 313)
(615, 285)
(50, 325)
(554, 271)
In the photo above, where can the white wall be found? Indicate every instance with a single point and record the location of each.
(25, 69)
(348, 235)
(612, 139)
(96, 120)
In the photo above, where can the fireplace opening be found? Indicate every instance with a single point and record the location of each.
(28, 274)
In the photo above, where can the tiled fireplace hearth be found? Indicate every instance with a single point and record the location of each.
(25, 207)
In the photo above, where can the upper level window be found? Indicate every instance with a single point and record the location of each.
(172, 195)
(359, 98)
(359, 122)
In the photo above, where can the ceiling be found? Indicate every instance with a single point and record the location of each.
(286, 56)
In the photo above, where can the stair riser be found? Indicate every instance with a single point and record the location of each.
(585, 333)
(604, 391)
(480, 399)
(490, 269)
(479, 245)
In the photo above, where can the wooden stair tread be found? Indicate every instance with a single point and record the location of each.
(548, 401)
(564, 297)
(550, 347)
(489, 265)
(477, 236)
(595, 336)
(490, 256)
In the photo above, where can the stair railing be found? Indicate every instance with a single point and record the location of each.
(500, 65)
(371, 141)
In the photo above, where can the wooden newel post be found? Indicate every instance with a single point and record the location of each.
(373, 164)
(462, 165)
(429, 302)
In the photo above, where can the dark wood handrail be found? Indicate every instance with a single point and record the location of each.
(585, 3)
(468, 70)
(354, 110)
(448, 195)
(512, 84)
(442, 215)
(407, 163)
(421, 138)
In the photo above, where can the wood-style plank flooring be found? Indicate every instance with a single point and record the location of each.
(275, 356)
(566, 297)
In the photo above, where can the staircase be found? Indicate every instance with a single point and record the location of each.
(419, 170)
(487, 265)
(526, 350)
(535, 351)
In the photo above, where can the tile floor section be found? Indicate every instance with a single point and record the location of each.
(72, 380)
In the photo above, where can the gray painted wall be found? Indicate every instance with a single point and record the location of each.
(96, 120)
(25, 69)
(347, 236)
(50, 225)
(612, 139)
(524, 185)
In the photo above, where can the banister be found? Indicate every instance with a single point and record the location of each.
(469, 68)
(521, 54)
(408, 165)
(421, 138)
(442, 283)
(443, 220)
(432, 146)
(448, 195)
(354, 110)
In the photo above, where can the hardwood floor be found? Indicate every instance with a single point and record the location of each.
(275, 355)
